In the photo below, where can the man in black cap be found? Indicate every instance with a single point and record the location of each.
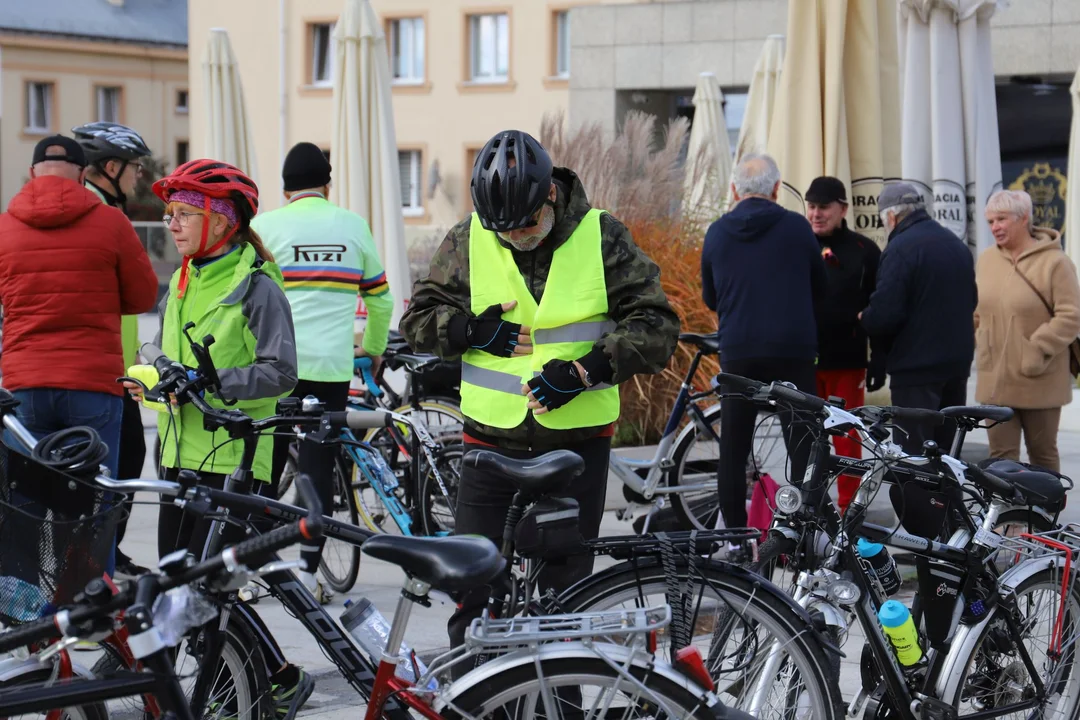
(851, 263)
(924, 309)
(328, 259)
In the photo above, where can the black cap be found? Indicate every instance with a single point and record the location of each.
(825, 189)
(305, 167)
(73, 152)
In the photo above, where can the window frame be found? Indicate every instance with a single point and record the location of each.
(177, 107)
(51, 109)
(176, 151)
(388, 29)
(556, 43)
(310, 26)
(99, 88)
(472, 18)
(416, 170)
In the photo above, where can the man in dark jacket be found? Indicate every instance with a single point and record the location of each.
(761, 271)
(550, 306)
(851, 263)
(924, 308)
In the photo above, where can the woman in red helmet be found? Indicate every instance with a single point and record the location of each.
(229, 286)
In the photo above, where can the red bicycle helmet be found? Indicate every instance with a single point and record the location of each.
(214, 179)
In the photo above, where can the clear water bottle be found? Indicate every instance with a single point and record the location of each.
(369, 628)
(882, 563)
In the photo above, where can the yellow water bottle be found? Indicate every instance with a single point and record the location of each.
(148, 376)
(899, 627)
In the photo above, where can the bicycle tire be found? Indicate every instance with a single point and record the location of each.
(344, 497)
(239, 643)
(430, 492)
(289, 472)
(958, 684)
(486, 696)
(650, 578)
(87, 711)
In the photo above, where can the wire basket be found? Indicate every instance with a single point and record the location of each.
(56, 535)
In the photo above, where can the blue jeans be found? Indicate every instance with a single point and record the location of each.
(47, 410)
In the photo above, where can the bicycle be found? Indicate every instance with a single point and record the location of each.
(977, 623)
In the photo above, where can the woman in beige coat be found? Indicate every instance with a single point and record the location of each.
(1022, 348)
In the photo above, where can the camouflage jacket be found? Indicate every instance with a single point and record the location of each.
(646, 332)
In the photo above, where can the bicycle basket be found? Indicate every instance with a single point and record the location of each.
(56, 534)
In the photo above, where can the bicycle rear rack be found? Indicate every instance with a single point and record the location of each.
(520, 631)
(693, 542)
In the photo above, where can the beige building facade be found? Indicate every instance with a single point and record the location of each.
(111, 61)
(464, 69)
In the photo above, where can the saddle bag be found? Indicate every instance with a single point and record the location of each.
(549, 529)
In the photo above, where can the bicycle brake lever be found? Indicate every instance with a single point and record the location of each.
(56, 648)
(278, 566)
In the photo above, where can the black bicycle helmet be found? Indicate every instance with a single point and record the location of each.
(105, 141)
(507, 197)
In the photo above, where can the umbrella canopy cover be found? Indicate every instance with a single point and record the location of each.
(1072, 189)
(760, 101)
(228, 134)
(950, 148)
(708, 155)
(366, 176)
(837, 104)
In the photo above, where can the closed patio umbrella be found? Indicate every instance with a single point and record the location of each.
(760, 102)
(837, 104)
(950, 135)
(1072, 189)
(708, 158)
(228, 135)
(364, 154)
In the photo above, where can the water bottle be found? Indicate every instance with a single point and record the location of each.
(369, 628)
(899, 627)
(883, 565)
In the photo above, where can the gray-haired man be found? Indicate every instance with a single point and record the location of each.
(923, 309)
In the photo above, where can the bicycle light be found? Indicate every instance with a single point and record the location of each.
(788, 499)
(843, 592)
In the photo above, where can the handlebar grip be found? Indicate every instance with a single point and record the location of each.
(306, 487)
(254, 549)
(921, 415)
(151, 353)
(796, 397)
(23, 635)
(361, 419)
(989, 482)
(738, 382)
(364, 365)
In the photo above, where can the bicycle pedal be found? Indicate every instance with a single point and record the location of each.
(934, 709)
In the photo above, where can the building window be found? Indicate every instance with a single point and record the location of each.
(562, 44)
(108, 104)
(181, 101)
(322, 53)
(39, 100)
(407, 50)
(734, 110)
(181, 152)
(489, 43)
(409, 168)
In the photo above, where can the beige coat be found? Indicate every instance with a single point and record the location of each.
(1020, 351)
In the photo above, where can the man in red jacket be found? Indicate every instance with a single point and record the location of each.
(70, 266)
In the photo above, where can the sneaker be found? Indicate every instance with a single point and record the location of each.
(126, 568)
(289, 700)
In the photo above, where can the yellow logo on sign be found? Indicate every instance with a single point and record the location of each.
(1046, 186)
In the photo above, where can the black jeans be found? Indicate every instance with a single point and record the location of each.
(132, 454)
(482, 504)
(928, 397)
(314, 459)
(738, 420)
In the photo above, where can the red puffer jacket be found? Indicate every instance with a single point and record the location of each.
(69, 267)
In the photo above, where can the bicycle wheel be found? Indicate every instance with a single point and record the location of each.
(239, 688)
(586, 683)
(292, 465)
(43, 676)
(340, 562)
(437, 509)
(995, 676)
(694, 466)
(736, 626)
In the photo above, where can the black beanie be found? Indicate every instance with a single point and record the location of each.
(305, 167)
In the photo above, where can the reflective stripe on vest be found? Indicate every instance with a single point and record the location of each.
(570, 318)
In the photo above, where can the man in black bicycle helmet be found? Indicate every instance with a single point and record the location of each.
(113, 151)
(550, 306)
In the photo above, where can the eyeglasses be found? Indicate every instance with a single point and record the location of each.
(184, 218)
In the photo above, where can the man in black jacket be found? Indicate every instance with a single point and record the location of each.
(851, 263)
(761, 271)
(924, 308)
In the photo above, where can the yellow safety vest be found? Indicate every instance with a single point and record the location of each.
(571, 317)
